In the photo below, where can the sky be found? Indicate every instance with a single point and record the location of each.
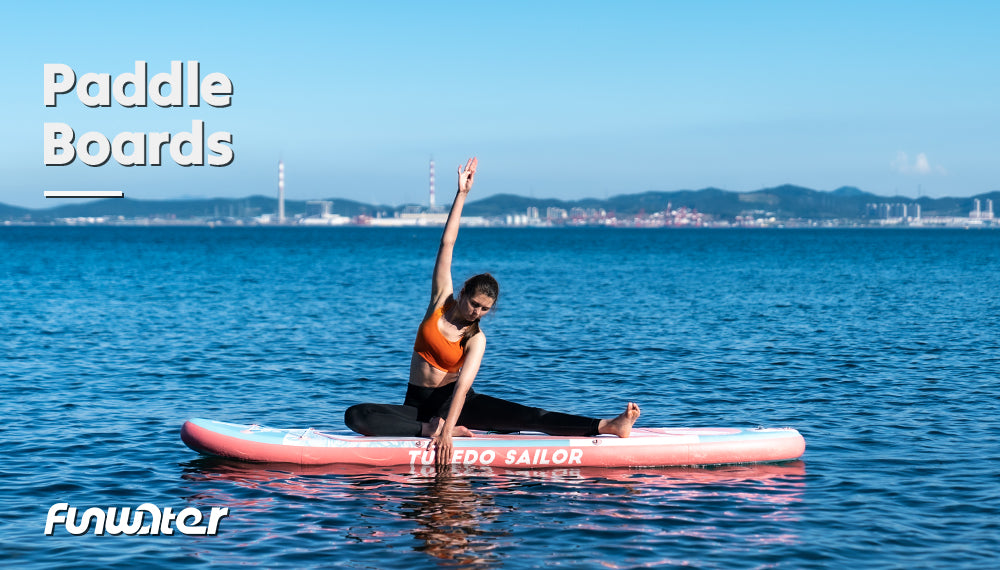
(562, 100)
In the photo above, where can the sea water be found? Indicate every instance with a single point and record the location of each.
(882, 347)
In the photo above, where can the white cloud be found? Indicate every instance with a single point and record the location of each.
(921, 165)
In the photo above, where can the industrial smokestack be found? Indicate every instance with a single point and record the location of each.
(432, 184)
(281, 192)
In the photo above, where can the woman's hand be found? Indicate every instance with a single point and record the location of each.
(465, 175)
(444, 450)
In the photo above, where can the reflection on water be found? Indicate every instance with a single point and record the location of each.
(450, 516)
(481, 516)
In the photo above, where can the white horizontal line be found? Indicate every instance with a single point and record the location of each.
(84, 194)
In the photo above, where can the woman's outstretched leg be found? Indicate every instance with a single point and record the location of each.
(493, 414)
(485, 413)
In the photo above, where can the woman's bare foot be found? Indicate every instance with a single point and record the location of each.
(622, 425)
(434, 426)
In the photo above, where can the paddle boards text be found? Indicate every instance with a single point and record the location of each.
(178, 87)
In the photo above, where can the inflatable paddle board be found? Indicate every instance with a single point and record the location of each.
(647, 447)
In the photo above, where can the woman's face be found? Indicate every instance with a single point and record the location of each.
(475, 306)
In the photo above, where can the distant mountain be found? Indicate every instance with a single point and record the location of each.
(13, 212)
(787, 201)
(503, 204)
(850, 191)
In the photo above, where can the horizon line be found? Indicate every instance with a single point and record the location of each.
(101, 195)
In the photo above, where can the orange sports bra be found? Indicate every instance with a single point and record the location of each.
(434, 348)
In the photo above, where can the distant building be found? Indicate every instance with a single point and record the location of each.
(318, 213)
(318, 208)
(894, 213)
(555, 214)
(979, 214)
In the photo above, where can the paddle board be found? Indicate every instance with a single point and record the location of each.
(647, 447)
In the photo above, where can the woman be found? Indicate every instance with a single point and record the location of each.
(449, 348)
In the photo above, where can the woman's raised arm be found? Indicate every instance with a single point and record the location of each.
(441, 285)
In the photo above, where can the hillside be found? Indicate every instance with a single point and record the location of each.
(785, 202)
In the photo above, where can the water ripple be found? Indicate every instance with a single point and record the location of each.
(877, 346)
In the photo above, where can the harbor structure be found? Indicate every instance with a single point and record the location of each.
(320, 213)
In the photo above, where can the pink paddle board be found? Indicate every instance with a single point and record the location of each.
(647, 447)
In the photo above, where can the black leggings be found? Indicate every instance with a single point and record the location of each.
(480, 412)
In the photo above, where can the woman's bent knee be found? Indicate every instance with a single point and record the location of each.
(356, 418)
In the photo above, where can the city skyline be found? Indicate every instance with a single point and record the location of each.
(559, 100)
(786, 206)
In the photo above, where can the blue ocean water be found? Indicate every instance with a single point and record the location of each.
(881, 346)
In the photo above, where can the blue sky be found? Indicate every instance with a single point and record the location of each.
(558, 99)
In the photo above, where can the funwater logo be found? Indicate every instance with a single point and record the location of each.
(115, 521)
